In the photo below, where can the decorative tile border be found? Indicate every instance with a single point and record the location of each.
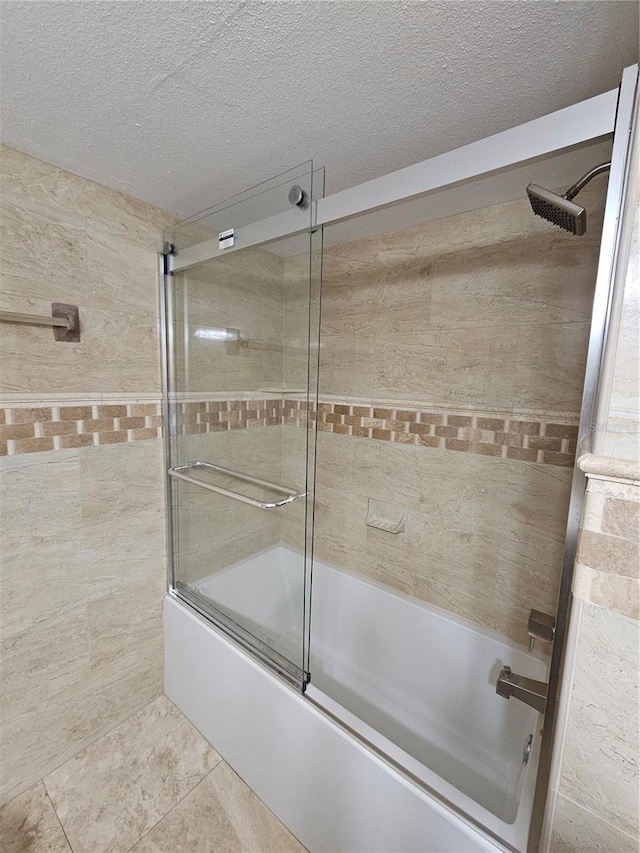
(220, 415)
(541, 440)
(34, 429)
(507, 437)
(41, 428)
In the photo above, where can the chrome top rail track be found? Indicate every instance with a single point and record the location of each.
(291, 494)
(565, 128)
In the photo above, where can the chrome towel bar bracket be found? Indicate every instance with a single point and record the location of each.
(291, 495)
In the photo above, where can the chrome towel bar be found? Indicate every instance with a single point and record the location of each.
(65, 320)
(291, 494)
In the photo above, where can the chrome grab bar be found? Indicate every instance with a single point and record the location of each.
(34, 319)
(292, 494)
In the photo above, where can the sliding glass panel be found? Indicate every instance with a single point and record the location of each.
(242, 365)
(454, 340)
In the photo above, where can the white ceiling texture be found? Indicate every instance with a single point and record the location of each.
(183, 104)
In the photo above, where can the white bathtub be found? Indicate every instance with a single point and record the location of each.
(415, 682)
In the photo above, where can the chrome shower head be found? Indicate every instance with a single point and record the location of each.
(560, 209)
(557, 209)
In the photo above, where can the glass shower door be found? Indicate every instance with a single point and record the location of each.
(242, 347)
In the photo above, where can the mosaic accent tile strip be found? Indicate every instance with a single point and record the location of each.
(527, 440)
(37, 429)
(220, 415)
(42, 428)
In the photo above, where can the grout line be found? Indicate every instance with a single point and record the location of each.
(598, 817)
(55, 811)
(175, 805)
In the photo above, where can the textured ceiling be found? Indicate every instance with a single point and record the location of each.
(186, 103)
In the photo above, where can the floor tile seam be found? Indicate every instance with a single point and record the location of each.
(268, 808)
(175, 805)
(92, 741)
(55, 811)
(599, 817)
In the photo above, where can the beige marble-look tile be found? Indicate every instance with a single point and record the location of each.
(44, 736)
(453, 554)
(550, 364)
(69, 676)
(69, 598)
(185, 232)
(221, 815)
(607, 589)
(472, 365)
(44, 489)
(247, 295)
(537, 280)
(122, 508)
(499, 223)
(87, 508)
(611, 476)
(340, 529)
(30, 296)
(206, 365)
(609, 553)
(531, 502)
(113, 792)
(28, 824)
(215, 531)
(40, 661)
(35, 238)
(593, 509)
(465, 583)
(578, 830)
(622, 438)
(523, 583)
(67, 679)
(134, 611)
(63, 192)
(122, 273)
(301, 314)
(621, 518)
(118, 352)
(346, 364)
(372, 299)
(600, 765)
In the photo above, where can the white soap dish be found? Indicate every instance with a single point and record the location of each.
(387, 517)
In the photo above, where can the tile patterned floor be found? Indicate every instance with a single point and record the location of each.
(151, 785)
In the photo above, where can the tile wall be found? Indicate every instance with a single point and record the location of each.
(596, 796)
(82, 566)
(451, 365)
(451, 368)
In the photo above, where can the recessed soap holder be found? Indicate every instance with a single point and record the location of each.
(387, 517)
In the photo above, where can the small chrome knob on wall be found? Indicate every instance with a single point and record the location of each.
(541, 626)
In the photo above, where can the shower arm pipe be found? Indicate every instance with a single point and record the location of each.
(581, 183)
(571, 126)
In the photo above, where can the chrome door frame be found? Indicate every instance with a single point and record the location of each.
(612, 112)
